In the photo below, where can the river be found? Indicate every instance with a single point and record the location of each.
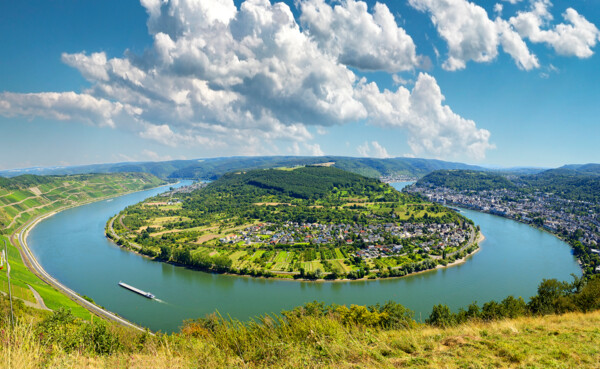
(71, 246)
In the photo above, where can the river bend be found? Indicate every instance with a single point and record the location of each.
(71, 246)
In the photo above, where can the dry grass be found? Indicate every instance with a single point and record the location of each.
(566, 341)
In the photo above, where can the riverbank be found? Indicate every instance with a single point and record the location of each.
(18, 240)
(530, 224)
(480, 238)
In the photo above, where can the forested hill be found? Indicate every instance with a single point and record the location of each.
(310, 222)
(302, 183)
(568, 183)
(584, 168)
(213, 168)
(466, 180)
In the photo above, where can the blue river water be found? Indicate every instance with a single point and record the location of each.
(71, 246)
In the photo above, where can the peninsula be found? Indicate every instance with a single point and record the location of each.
(312, 222)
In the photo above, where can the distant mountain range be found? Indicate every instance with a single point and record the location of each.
(213, 168)
(591, 168)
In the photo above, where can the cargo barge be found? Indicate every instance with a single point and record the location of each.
(136, 290)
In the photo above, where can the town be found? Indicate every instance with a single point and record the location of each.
(373, 240)
(559, 216)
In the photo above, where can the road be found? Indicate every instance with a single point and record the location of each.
(38, 298)
(31, 262)
(114, 234)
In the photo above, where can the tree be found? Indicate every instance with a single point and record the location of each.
(222, 263)
(441, 316)
(318, 273)
(165, 252)
(546, 300)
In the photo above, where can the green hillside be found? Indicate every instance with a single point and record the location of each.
(590, 168)
(566, 183)
(24, 197)
(466, 180)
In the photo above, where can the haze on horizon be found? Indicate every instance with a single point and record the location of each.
(506, 83)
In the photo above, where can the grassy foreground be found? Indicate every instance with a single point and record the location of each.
(327, 336)
(556, 341)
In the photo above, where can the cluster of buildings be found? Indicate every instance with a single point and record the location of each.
(390, 178)
(543, 209)
(185, 189)
(375, 239)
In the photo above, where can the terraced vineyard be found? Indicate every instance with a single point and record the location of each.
(25, 197)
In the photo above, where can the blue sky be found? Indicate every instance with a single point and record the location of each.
(108, 81)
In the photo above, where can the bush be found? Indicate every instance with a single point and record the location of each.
(588, 298)
(64, 330)
(472, 312)
(396, 316)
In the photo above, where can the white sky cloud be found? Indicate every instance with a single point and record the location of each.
(357, 38)
(577, 37)
(252, 78)
(363, 149)
(153, 156)
(372, 149)
(498, 8)
(472, 36)
(306, 149)
(314, 149)
(433, 128)
(67, 106)
(399, 80)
